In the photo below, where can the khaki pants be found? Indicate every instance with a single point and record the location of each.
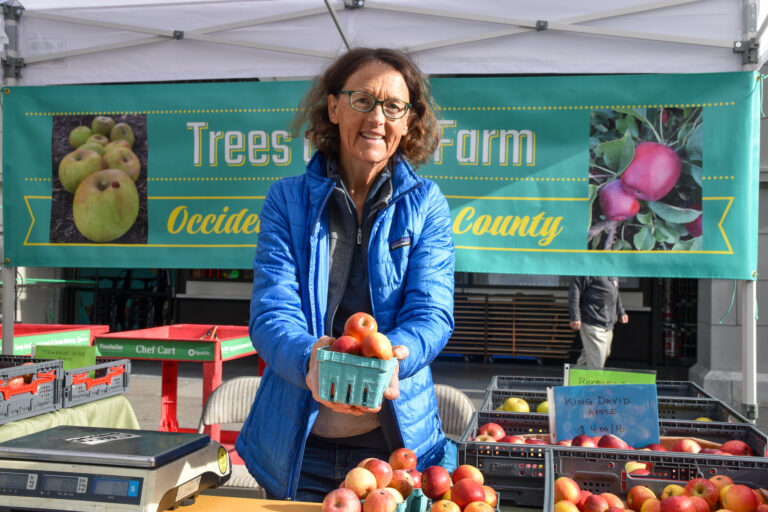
(597, 346)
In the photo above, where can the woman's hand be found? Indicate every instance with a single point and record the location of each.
(312, 380)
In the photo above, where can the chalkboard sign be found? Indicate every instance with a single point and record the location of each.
(629, 411)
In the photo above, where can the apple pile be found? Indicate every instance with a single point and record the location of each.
(464, 490)
(362, 338)
(101, 173)
(517, 404)
(717, 493)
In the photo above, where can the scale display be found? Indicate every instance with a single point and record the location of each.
(81, 486)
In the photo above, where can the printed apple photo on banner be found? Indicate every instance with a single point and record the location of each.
(99, 185)
(645, 175)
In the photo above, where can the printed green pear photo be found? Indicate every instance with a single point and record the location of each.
(99, 179)
(645, 179)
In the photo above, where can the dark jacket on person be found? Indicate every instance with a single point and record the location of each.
(595, 301)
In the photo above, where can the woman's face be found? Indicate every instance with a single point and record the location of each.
(369, 139)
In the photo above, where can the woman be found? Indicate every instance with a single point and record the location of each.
(358, 232)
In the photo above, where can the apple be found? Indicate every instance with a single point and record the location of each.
(377, 345)
(583, 440)
(444, 506)
(694, 229)
(435, 480)
(677, 503)
(721, 481)
(478, 506)
(492, 429)
(516, 404)
(416, 475)
(398, 497)
(15, 382)
(105, 206)
(700, 504)
(465, 491)
(704, 489)
(381, 470)
(687, 445)
(616, 203)
(583, 495)
(120, 143)
(78, 136)
(102, 125)
(736, 447)
(565, 506)
(702, 418)
(380, 500)
(123, 159)
(360, 481)
(402, 482)
(491, 496)
(76, 166)
(543, 407)
(533, 440)
(341, 500)
(94, 146)
(613, 500)
(739, 498)
(346, 344)
(512, 439)
(360, 325)
(485, 438)
(612, 441)
(713, 451)
(595, 503)
(403, 458)
(637, 495)
(122, 131)
(634, 465)
(672, 490)
(651, 505)
(653, 172)
(762, 508)
(656, 447)
(467, 471)
(567, 489)
(97, 139)
(564, 442)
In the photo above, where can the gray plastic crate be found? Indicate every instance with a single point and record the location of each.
(666, 388)
(42, 394)
(109, 378)
(669, 407)
(603, 471)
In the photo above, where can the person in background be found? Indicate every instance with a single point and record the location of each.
(594, 305)
(360, 231)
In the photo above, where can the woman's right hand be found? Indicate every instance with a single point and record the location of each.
(312, 381)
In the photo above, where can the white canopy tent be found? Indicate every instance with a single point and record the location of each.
(52, 42)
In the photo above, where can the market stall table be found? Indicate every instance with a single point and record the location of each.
(210, 345)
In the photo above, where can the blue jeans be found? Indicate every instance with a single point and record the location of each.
(326, 462)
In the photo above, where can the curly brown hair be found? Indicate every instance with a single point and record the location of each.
(417, 145)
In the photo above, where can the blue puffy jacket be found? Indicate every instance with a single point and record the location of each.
(411, 264)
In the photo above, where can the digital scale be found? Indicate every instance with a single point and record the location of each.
(112, 470)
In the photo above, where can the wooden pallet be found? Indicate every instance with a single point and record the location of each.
(517, 325)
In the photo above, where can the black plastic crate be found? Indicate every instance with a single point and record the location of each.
(104, 379)
(603, 470)
(522, 423)
(669, 407)
(666, 388)
(40, 392)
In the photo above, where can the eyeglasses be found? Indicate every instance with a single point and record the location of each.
(364, 102)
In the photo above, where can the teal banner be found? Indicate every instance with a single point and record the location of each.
(636, 175)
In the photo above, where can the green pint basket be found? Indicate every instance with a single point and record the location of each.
(353, 380)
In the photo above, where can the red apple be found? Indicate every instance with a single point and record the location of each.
(492, 429)
(381, 470)
(736, 447)
(651, 505)
(467, 471)
(672, 490)
(512, 439)
(637, 495)
(616, 509)
(465, 491)
(721, 481)
(444, 506)
(739, 498)
(380, 500)
(346, 344)
(687, 445)
(491, 496)
(360, 325)
(533, 440)
(583, 440)
(704, 489)
(694, 227)
(613, 500)
(762, 508)
(360, 481)
(656, 447)
(564, 442)
(653, 172)
(595, 503)
(567, 489)
(679, 503)
(435, 481)
(402, 482)
(376, 344)
(612, 441)
(398, 497)
(403, 458)
(478, 506)
(616, 203)
(14, 382)
(583, 495)
(700, 504)
(713, 451)
(341, 500)
(416, 475)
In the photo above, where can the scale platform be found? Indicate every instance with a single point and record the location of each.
(88, 468)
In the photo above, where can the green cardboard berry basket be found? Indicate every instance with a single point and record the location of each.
(353, 380)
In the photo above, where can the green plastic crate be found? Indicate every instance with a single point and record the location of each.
(353, 380)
